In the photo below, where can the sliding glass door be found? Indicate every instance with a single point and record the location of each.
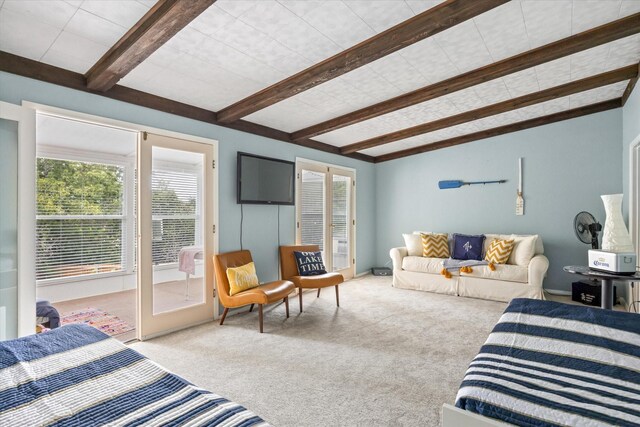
(325, 214)
(176, 238)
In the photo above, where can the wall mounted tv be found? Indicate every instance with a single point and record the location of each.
(263, 180)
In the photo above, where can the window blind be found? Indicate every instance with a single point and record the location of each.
(312, 208)
(80, 218)
(175, 211)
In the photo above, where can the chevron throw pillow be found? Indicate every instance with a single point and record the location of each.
(435, 245)
(499, 250)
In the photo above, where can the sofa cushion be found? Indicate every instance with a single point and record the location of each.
(466, 247)
(504, 272)
(450, 238)
(423, 264)
(499, 251)
(435, 245)
(523, 250)
(521, 255)
(413, 243)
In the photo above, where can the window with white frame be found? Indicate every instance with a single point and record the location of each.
(85, 222)
(175, 207)
(81, 218)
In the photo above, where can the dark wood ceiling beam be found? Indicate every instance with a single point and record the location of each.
(514, 127)
(48, 73)
(426, 24)
(164, 20)
(630, 87)
(603, 79)
(588, 39)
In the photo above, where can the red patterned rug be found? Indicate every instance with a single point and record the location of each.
(101, 320)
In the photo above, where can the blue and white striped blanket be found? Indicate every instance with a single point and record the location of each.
(78, 376)
(553, 364)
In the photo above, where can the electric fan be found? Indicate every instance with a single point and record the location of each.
(587, 228)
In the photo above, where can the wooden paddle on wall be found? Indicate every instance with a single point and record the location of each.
(457, 184)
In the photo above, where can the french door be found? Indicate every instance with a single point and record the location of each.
(175, 234)
(17, 221)
(325, 213)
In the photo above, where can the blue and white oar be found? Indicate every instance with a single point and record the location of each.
(457, 184)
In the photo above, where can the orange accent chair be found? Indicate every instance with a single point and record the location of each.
(261, 295)
(289, 271)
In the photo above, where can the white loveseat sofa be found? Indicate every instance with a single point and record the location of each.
(521, 277)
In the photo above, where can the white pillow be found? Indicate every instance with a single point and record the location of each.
(413, 243)
(523, 250)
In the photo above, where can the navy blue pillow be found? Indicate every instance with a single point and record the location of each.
(309, 263)
(467, 247)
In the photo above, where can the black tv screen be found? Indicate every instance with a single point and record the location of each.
(263, 180)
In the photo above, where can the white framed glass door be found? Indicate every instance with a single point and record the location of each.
(176, 234)
(17, 221)
(325, 213)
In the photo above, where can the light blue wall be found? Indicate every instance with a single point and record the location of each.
(260, 225)
(630, 131)
(567, 166)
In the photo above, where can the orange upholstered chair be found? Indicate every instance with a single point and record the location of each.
(261, 295)
(289, 271)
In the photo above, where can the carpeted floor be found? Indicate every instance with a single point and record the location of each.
(386, 357)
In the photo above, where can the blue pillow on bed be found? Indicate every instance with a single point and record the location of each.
(467, 247)
(309, 263)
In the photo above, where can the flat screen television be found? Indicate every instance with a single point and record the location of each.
(263, 180)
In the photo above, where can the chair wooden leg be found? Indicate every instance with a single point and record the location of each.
(337, 297)
(251, 308)
(260, 316)
(318, 293)
(224, 314)
(286, 305)
(300, 297)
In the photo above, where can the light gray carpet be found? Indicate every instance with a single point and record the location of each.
(386, 357)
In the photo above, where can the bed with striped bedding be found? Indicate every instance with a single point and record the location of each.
(552, 364)
(78, 376)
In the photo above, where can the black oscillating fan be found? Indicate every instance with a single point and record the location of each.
(587, 228)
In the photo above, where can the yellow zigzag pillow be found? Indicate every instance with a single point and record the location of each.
(499, 250)
(435, 245)
(242, 278)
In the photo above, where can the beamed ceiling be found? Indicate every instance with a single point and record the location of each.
(375, 80)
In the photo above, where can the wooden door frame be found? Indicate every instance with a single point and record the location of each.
(105, 121)
(329, 170)
(152, 324)
(25, 116)
(634, 207)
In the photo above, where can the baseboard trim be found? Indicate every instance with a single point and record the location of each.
(364, 273)
(557, 292)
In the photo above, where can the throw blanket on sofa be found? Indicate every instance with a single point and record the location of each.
(465, 266)
(78, 376)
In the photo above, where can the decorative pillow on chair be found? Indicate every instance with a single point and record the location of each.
(309, 263)
(435, 245)
(499, 250)
(242, 278)
(467, 247)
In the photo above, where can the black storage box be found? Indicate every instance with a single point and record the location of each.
(381, 271)
(589, 293)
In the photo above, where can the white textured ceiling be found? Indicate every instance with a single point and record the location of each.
(67, 34)
(604, 93)
(238, 47)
